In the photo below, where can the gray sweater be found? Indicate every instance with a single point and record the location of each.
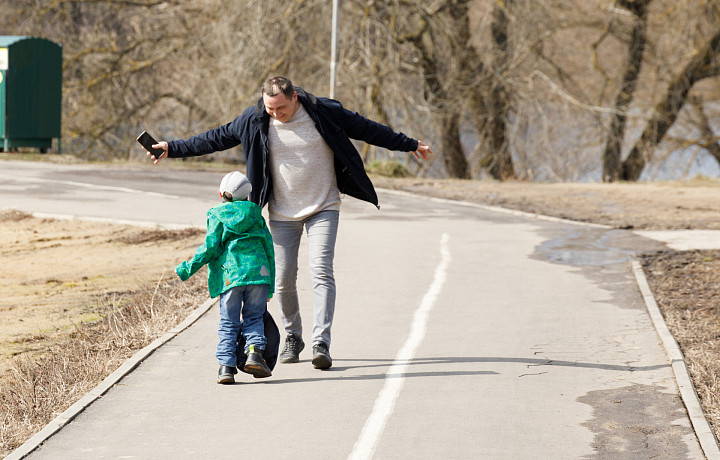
(302, 170)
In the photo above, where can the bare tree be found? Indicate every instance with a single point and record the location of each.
(171, 66)
(430, 32)
(503, 88)
(491, 103)
(438, 43)
(702, 65)
(612, 164)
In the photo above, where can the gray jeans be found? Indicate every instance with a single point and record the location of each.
(321, 231)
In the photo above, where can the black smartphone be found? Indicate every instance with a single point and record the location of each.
(147, 142)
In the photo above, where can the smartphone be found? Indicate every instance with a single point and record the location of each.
(147, 142)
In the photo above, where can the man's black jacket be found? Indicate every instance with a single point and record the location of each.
(335, 124)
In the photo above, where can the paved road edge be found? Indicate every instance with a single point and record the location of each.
(73, 411)
(701, 426)
(703, 430)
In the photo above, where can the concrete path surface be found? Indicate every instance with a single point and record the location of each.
(459, 333)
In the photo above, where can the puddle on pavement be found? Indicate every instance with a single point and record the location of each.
(586, 247)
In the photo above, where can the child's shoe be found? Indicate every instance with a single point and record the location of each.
(226, 374)
(255, 363)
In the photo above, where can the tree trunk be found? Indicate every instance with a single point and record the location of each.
(497, 160)
(445, 116)
(491, 106)
(666, 112)
(501, 166)
(612, 164)
(453, 156)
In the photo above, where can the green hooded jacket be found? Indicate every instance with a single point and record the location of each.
(238, 249)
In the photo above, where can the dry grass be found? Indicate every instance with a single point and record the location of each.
(13, 215)
(145, 236)
(686, 286)
(34, 391)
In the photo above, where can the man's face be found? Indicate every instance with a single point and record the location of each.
(281, 107)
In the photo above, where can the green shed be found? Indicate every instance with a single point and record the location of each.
(30, 92)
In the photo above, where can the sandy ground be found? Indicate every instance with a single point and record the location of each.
(55, 272)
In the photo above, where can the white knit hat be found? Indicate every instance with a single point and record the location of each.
(237, 185)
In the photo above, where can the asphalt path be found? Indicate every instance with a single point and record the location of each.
(459, 333)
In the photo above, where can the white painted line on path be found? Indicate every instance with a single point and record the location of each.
(395, 376)
(92, 186)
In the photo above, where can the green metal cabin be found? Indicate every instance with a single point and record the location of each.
(30, 93)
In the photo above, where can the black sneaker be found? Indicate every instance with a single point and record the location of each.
(293, 346)
(226, 374)
(321, 356)
(255, 363)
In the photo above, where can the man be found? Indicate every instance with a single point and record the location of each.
(299, 160)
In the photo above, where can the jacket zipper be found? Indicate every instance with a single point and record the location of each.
(266, 150)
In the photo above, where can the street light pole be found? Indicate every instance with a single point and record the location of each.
(333, 49)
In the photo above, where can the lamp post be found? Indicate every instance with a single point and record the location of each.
(333, 49)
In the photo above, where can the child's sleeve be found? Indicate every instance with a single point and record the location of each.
(209, 250)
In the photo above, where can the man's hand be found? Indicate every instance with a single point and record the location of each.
(160, 145)
(423, 151)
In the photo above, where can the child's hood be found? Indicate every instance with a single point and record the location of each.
(238, 216)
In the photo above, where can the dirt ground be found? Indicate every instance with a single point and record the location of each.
(53, 271)
(692, 204)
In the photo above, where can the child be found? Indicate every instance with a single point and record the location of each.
(238, 250)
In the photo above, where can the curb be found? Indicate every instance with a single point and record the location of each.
(703, 431)
(73, 411)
